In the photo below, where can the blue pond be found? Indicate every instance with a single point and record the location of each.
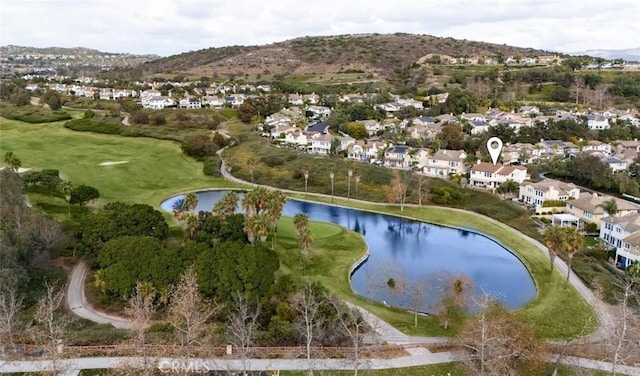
(418, 256)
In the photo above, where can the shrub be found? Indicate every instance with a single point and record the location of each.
(590, 228)
(272, 160)
(88, 114)
(199, 147)
(95, 125)
(211, 166)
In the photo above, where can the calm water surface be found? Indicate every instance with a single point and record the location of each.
(415, 254)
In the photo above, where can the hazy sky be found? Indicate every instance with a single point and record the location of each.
(167, 27)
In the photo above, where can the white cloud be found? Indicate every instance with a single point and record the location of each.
(167, 27)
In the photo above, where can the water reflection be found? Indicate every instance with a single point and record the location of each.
(415, 253)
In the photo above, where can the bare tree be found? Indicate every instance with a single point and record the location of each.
(49, 329)
(10, 306)
(310, 322)
(354, 327)
(140, 309)
(188, 311)
(500, 343)
(241, 326)
(417, 298)
(456, 292)
(625, 339)
(397, 190)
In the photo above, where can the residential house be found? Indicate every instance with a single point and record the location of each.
(490, 176)
(426, 132)
(106, 94)
(213, 101)
(410, 103)
(530, 110)
(234, 100)
(626, 149)
(589, 207)
(479, 126)
(390, 107)
(32, 87)
(446, 118)
(419, 157)
(424, 120)
(597, 146)
(190, 103)
(520, 153)
(296, 99)
(445, 162)
(318, 127)
(397, 157)
(372, 126)
(365, 151)
(631, 119)
(557, 148)
(295, 138)
(623, 233)
(312, 98)
(535, 194)
(615, 164)
(320, 143)
(158, 102)
(597, 122)
(319, 111)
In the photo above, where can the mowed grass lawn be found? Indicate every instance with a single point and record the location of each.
(154, 169)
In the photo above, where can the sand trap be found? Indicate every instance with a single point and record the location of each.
(20, 170)
(111, 163)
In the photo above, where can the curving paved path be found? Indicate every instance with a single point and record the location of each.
(77, 301)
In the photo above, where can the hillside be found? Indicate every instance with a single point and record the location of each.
(75, 51)
(383, 54)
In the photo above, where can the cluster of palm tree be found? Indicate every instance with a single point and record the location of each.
(262, 209)
(184, 212)
(563, 239)
(352, 172)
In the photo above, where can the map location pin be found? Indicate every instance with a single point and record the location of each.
(494, 145)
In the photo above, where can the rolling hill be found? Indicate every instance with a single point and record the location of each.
(384, 54)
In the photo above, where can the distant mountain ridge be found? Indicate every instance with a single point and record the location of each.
(81, 51)
(629, 54)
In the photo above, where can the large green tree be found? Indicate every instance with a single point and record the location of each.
(236, 267)
(118, 219)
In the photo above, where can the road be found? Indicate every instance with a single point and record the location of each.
(77, 300)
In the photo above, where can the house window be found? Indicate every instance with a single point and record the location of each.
(627, 246)
(487, 174)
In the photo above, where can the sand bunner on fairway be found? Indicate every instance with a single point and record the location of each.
(111, 163)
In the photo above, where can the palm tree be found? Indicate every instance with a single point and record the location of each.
(192, 223)
(350, 174)
(574, 242)
(227, 206)
(301, 223)
(305, 172)
(66, 187)
(276, 203)
(252, 166)
(332, 175)
(553, 239)
(191, 201)
(357, 179)
(611, 208)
